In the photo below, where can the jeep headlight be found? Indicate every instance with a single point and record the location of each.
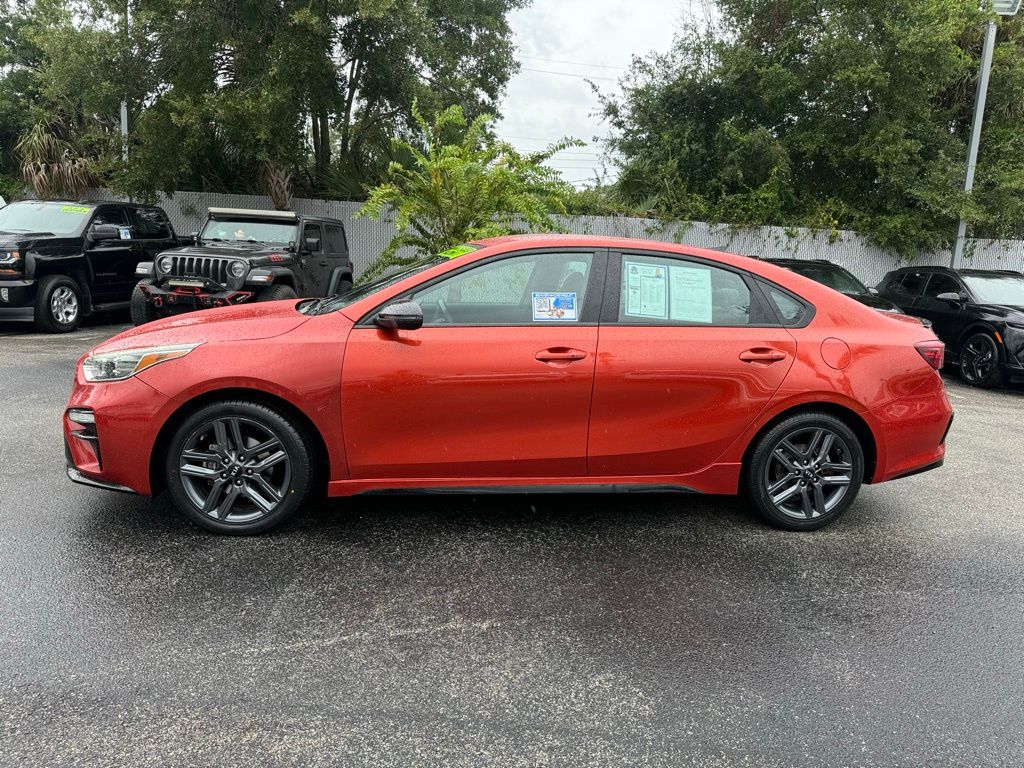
(118, 366)
(166, 264)
(237, 268)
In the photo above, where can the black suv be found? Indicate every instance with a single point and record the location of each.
(244, 255)
(61, 260)
(978, 313)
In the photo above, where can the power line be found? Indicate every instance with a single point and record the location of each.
(568, 74)
(574, 63)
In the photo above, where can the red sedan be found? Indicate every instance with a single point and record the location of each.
(519, 364)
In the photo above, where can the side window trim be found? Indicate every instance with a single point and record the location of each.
(760, 306)
(588, 317)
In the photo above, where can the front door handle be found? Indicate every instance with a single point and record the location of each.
(763, 355)
(560, 355)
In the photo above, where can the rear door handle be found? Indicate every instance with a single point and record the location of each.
(763, 355)
(560, 355)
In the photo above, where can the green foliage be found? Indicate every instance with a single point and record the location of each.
(244, 95)
(463, 185)
(839, 114)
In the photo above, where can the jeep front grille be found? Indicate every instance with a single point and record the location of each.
(200, 266)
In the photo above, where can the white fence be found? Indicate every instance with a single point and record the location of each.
(368, 238)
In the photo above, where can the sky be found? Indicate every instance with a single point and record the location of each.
(578, 39)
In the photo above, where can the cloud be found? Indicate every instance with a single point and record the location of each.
(578, 39)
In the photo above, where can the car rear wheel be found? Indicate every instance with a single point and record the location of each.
(805, 471)
(980, 365)
(277, 293)
(58, 304)
(142, 311)
(239, 467)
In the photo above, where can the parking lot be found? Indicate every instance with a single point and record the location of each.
(580, 630)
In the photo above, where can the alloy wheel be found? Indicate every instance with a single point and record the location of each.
(978, 358)
(64, 305)
(235, 469)
(810, 471)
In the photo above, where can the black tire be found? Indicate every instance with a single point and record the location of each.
(277, 293)
(59, 305)
(344, 286)
(981, 364)
(795, 481)
(200, 470)
(142, 311)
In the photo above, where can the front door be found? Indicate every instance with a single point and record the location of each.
(497, 383)
(944, 315)
(112, 261)
(690, 357)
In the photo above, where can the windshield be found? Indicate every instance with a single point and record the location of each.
(834, 277)
(32, 216)
(342, 300)
(249, 231)
(997, 289)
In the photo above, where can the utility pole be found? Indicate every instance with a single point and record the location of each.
(1001, 8)
(124, 102)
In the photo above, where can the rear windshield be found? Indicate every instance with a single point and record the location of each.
(33, 216)
(836, 278)
(997, 289)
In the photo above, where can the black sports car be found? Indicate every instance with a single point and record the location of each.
(978, 313)
(839, 279)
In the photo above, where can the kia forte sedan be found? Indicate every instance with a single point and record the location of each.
(519, 364)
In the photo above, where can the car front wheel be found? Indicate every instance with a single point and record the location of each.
(239, 467)
(980, 365)
(805, 471)
(58, 304)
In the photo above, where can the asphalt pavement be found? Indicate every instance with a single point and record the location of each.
(508, 631)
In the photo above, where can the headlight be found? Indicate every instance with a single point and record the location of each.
(9, 258)
(118, 366)
(237, 268)
(166, 264)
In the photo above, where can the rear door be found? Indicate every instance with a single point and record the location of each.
(690, 353)
(112, 261)
(335, 249)
(496, 384)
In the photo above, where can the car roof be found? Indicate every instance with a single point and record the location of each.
(950, 270)
(802, 262)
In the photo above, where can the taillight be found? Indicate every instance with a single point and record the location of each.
(933, 352)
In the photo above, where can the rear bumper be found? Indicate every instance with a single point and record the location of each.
(17, 298)
(912, 432)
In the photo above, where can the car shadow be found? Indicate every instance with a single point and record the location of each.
(97, 320)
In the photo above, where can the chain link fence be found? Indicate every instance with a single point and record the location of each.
(368, 238)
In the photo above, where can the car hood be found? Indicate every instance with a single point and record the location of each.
(245, 322)
(875, 302)
(228, 250)
(1008, 312)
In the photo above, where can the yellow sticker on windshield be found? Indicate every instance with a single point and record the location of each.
(73, 209)
(458, 250)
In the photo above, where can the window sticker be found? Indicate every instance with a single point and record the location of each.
(555, 308)
(73, 209)
(458, 250)
(646, 290)
(690, 289)
(125, 233)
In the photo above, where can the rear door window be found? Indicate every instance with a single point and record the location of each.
(912, 283)
(151, 224)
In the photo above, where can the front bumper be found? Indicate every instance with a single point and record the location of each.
(167, 297)
(17, 298)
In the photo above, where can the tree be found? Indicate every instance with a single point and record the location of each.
(280, 96)
(462, 185)
(827, 113)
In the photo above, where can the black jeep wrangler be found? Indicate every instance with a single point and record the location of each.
(243, 255)
(61, 260)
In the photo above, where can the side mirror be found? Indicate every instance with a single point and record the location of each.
(403, 316)
(952, 298)
(105, 232)
(312, 244)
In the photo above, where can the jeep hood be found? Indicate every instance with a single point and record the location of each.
(246, 322)
(228, 250)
